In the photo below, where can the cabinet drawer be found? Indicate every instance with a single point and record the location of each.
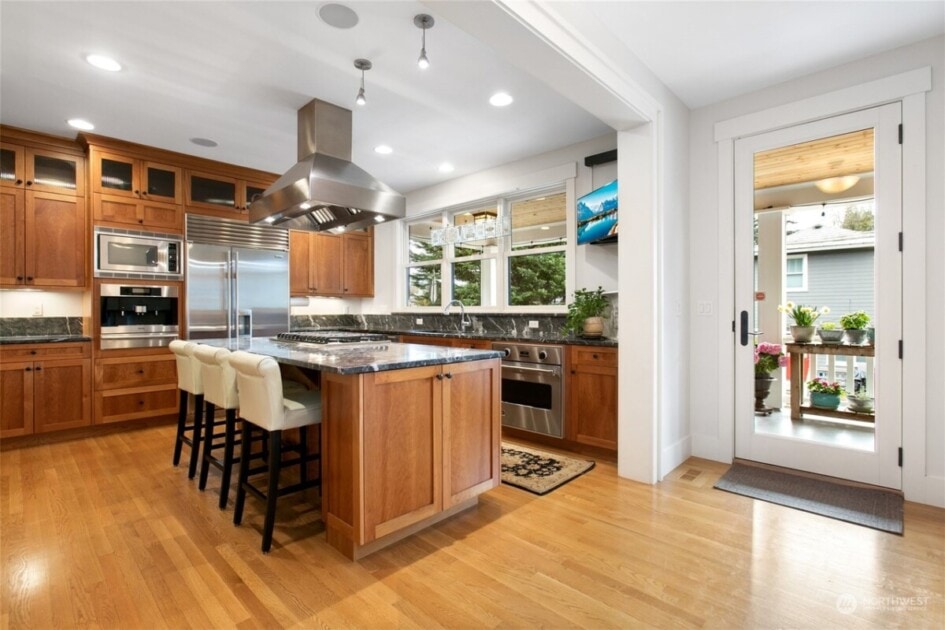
(117, 405)
(46, 351)
(122, 373)
(604, 357)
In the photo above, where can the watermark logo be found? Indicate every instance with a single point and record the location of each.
(846, 603)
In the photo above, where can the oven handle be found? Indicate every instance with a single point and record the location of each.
(529, 369)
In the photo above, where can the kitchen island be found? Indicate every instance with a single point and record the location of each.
(410, 434)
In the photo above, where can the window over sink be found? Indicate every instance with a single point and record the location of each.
(506, 254)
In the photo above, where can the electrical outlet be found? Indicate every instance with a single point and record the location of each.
(533, 323)
(38, 310)
(704, 307)
(418, 321)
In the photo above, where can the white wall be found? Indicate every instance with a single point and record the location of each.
(710, 333)
(52, 303)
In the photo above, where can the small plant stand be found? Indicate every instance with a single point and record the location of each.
(799, 411)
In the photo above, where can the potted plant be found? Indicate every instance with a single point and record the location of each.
(824, 394)
(860, 403)
(854, 324)
(586, 313)
(804, 317)
(829, 332)
(768, 358)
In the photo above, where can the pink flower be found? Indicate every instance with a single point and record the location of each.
(782, 361)
(757, 356)
(769, 348)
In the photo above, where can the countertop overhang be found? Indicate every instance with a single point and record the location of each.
(357, 358)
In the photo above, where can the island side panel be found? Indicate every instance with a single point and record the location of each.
(402, 463)
(471, 430)
(341, 460)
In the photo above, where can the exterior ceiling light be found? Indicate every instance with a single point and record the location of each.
(833, 185)
(500, 99)
(446, 167)
(362, 65)
(78, 123)
(383, 149)
(423, 22)
(103, 63)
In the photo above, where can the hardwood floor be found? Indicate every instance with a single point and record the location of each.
(101, 531)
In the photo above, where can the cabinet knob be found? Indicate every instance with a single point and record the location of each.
(573, 371)
(140, 371)
(32, 352)
(140, 402)
(29, 182)
(19, 181)
(439, 377)
(144, 192)
(29, 278)
(19, 278)
(140, 220)
(29, 369)
(595, 356)
(346, 289)
(38, 368)
(137, 192)
(449, 375)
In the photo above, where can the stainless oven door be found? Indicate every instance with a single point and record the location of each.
(533, 398)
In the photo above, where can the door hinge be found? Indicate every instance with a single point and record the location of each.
(900, 457)
(900, 241)
(900, 348)
(900, 133)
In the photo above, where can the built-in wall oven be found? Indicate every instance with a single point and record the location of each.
(137, 316)
(532, 387)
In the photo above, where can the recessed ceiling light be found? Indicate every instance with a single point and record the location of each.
(203, 142)
(383, 149)
(446, 167)
(103, 63)
(500, 99)
(78, 123)
(338, 15)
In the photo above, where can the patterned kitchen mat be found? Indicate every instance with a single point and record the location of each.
(537, 471)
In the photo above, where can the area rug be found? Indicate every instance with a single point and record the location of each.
(870, 507)
(538, 471)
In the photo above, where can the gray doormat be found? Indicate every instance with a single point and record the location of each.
(870, 507)
(539, 471)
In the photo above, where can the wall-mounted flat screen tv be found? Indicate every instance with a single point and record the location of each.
(597, 215)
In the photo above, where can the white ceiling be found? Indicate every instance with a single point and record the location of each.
(236, 72)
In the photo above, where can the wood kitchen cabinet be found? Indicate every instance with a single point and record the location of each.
(131, 387)
(45, 387)
(406, 447)
(143, 214)
(120, 175)
(591, 392)
(222, 195)
(333, 265)
(43, 215)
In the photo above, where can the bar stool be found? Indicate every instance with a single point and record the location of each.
(264, 405)
(219, 390)
(189, 381)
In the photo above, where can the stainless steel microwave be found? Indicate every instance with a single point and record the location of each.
(117, 254)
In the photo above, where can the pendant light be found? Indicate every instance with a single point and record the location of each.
(362, 65)
(423, 22)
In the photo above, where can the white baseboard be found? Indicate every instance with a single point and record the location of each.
(707, 447)
(934, 492)
(674, 455)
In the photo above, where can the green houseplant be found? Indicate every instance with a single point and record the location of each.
(824, 394)
(804, 317)
(587, 305)
(829, 332)
(854, 324)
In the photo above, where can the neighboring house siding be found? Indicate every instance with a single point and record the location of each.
(840, 279)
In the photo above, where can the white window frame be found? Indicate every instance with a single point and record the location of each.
(501, 256)
(804, 273)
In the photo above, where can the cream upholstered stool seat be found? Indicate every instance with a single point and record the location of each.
(263, 404)
(219, 391)
(189, 383)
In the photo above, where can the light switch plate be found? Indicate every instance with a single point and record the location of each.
(533, 323)
(418, 321)
(38, 310)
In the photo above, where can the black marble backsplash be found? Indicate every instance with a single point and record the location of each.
(549, 326)
(39, 326)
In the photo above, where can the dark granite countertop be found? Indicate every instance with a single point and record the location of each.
(5, 341)
(573, 341)
(353, 358)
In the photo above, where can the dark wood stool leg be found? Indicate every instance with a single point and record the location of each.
(303, 454)
(195, 441)
(245, 448)
(207, 445)
(272, 495)
(228, 444)
(181, 423)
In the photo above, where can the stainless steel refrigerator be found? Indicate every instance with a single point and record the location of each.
(237, 279)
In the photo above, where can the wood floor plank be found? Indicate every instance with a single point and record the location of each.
(99, 530)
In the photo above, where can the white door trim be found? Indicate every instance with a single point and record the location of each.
(910, 88)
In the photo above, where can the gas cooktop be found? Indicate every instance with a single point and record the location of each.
(330, 336)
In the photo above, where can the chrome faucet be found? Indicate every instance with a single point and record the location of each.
(463, 320)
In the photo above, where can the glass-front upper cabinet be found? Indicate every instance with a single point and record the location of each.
(117, 174)
(41, 169)
(211, 191)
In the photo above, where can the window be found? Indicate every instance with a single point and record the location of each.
(524, 269)
(796, 273)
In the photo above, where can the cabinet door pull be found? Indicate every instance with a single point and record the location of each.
(29, 182)
(140, 371)
(32, 352)
(29, 369)
(39, 368)
(19, 181)
(439, 377)
(595, 356)
(449, 375)
(29, 278)
(19, 278)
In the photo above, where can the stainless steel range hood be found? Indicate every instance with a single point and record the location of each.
(325, 190)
